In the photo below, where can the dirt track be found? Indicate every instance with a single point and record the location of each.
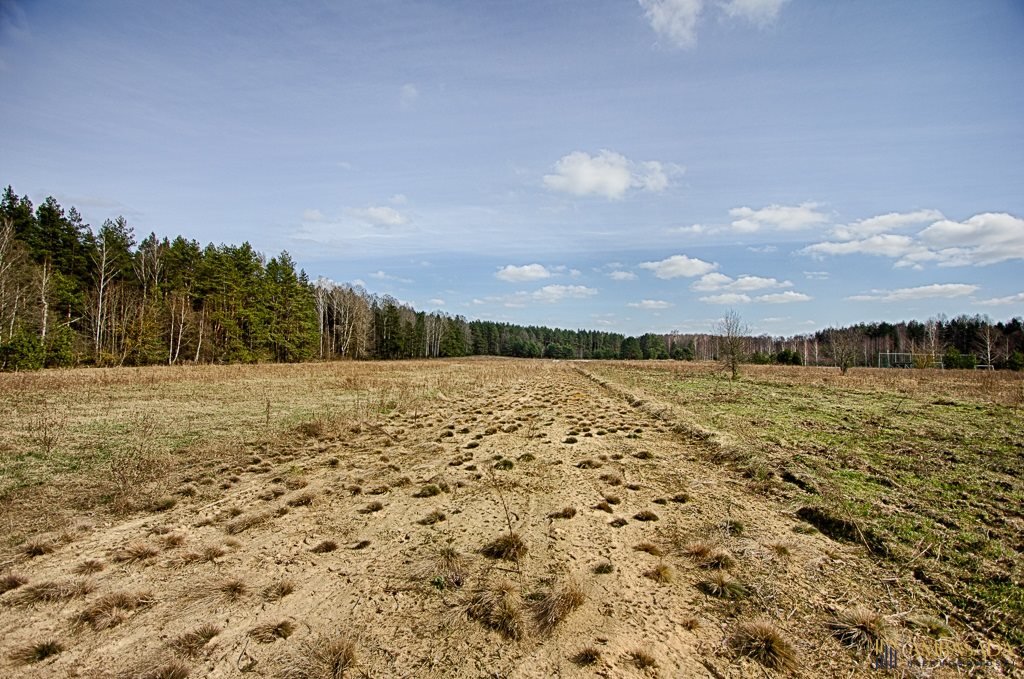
(385, 595)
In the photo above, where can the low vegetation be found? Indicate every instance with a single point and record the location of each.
(712, 513)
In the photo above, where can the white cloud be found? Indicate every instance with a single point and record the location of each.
(933, 291)
(311, 215)
(518, 274)
(711, 282)
(765, 249)
(695, 229)
(778, 217)
(607, 174)
(652, 177)
(726, 298)
(575, 273)
(1001, 301)
(436, 301)
(816, 275)
(984, 239)
(408, 95)
(359, 283)
(783, 297)
(399, 199)
(549, 294)
(384, 276)
(674, 19)
(379, 216)
(760, 12)
(556, 293)
(987, 238)
(887, 223)
(678, 266)
(622, 275)
(650, 304)
(885, 245)
(714, 282)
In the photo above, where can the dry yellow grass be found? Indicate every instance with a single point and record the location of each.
(450, 608)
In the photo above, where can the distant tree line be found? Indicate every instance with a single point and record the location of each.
(71, 294)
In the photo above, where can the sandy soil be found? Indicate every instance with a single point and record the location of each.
(381, 587)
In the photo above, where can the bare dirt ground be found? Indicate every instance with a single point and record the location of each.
(357, 541)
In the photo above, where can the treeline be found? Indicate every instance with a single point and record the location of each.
(74, 295)
(961, 342)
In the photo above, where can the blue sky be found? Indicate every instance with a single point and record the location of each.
(626, 165)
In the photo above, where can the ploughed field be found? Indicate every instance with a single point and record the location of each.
(478, 518)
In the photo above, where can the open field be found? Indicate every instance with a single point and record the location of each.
(510, 518)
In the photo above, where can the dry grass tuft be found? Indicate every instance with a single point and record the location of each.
(698, 551)
(932, 626)
(761, 641)
(325, 547)
(38, 546)
(642, 659)
(207, 553)
(429, 490)
(680, 498)
(229, 589)
(662, 573)
(172, 540)
(303, 499)
(278, 590)
(509, 547)
(589, 463)
(163, 503)
(556, 605)
(432, 518)
(52, 591)
(612, 499)
(611, 479)
(191, 643)
(781, 549)
(860, 628)
(169, 669)
(604, 568)
(37, 652)
(136, 551)
(650, 548)
(587, 656)
(498, 607)
(718, 558)
(272, 631)
(245, 522)
(732, 527)
(618, 523)
(689, 623)
(645, 515)
(723, 586)
(362, 544)
(604, 507)
(564, 513)
(11, 580)
(323, 658)
(112, 609)
(372, 508)
(448, 570)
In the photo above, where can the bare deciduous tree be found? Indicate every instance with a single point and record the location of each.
(987, 342)
(844, 346)
(733, 332)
